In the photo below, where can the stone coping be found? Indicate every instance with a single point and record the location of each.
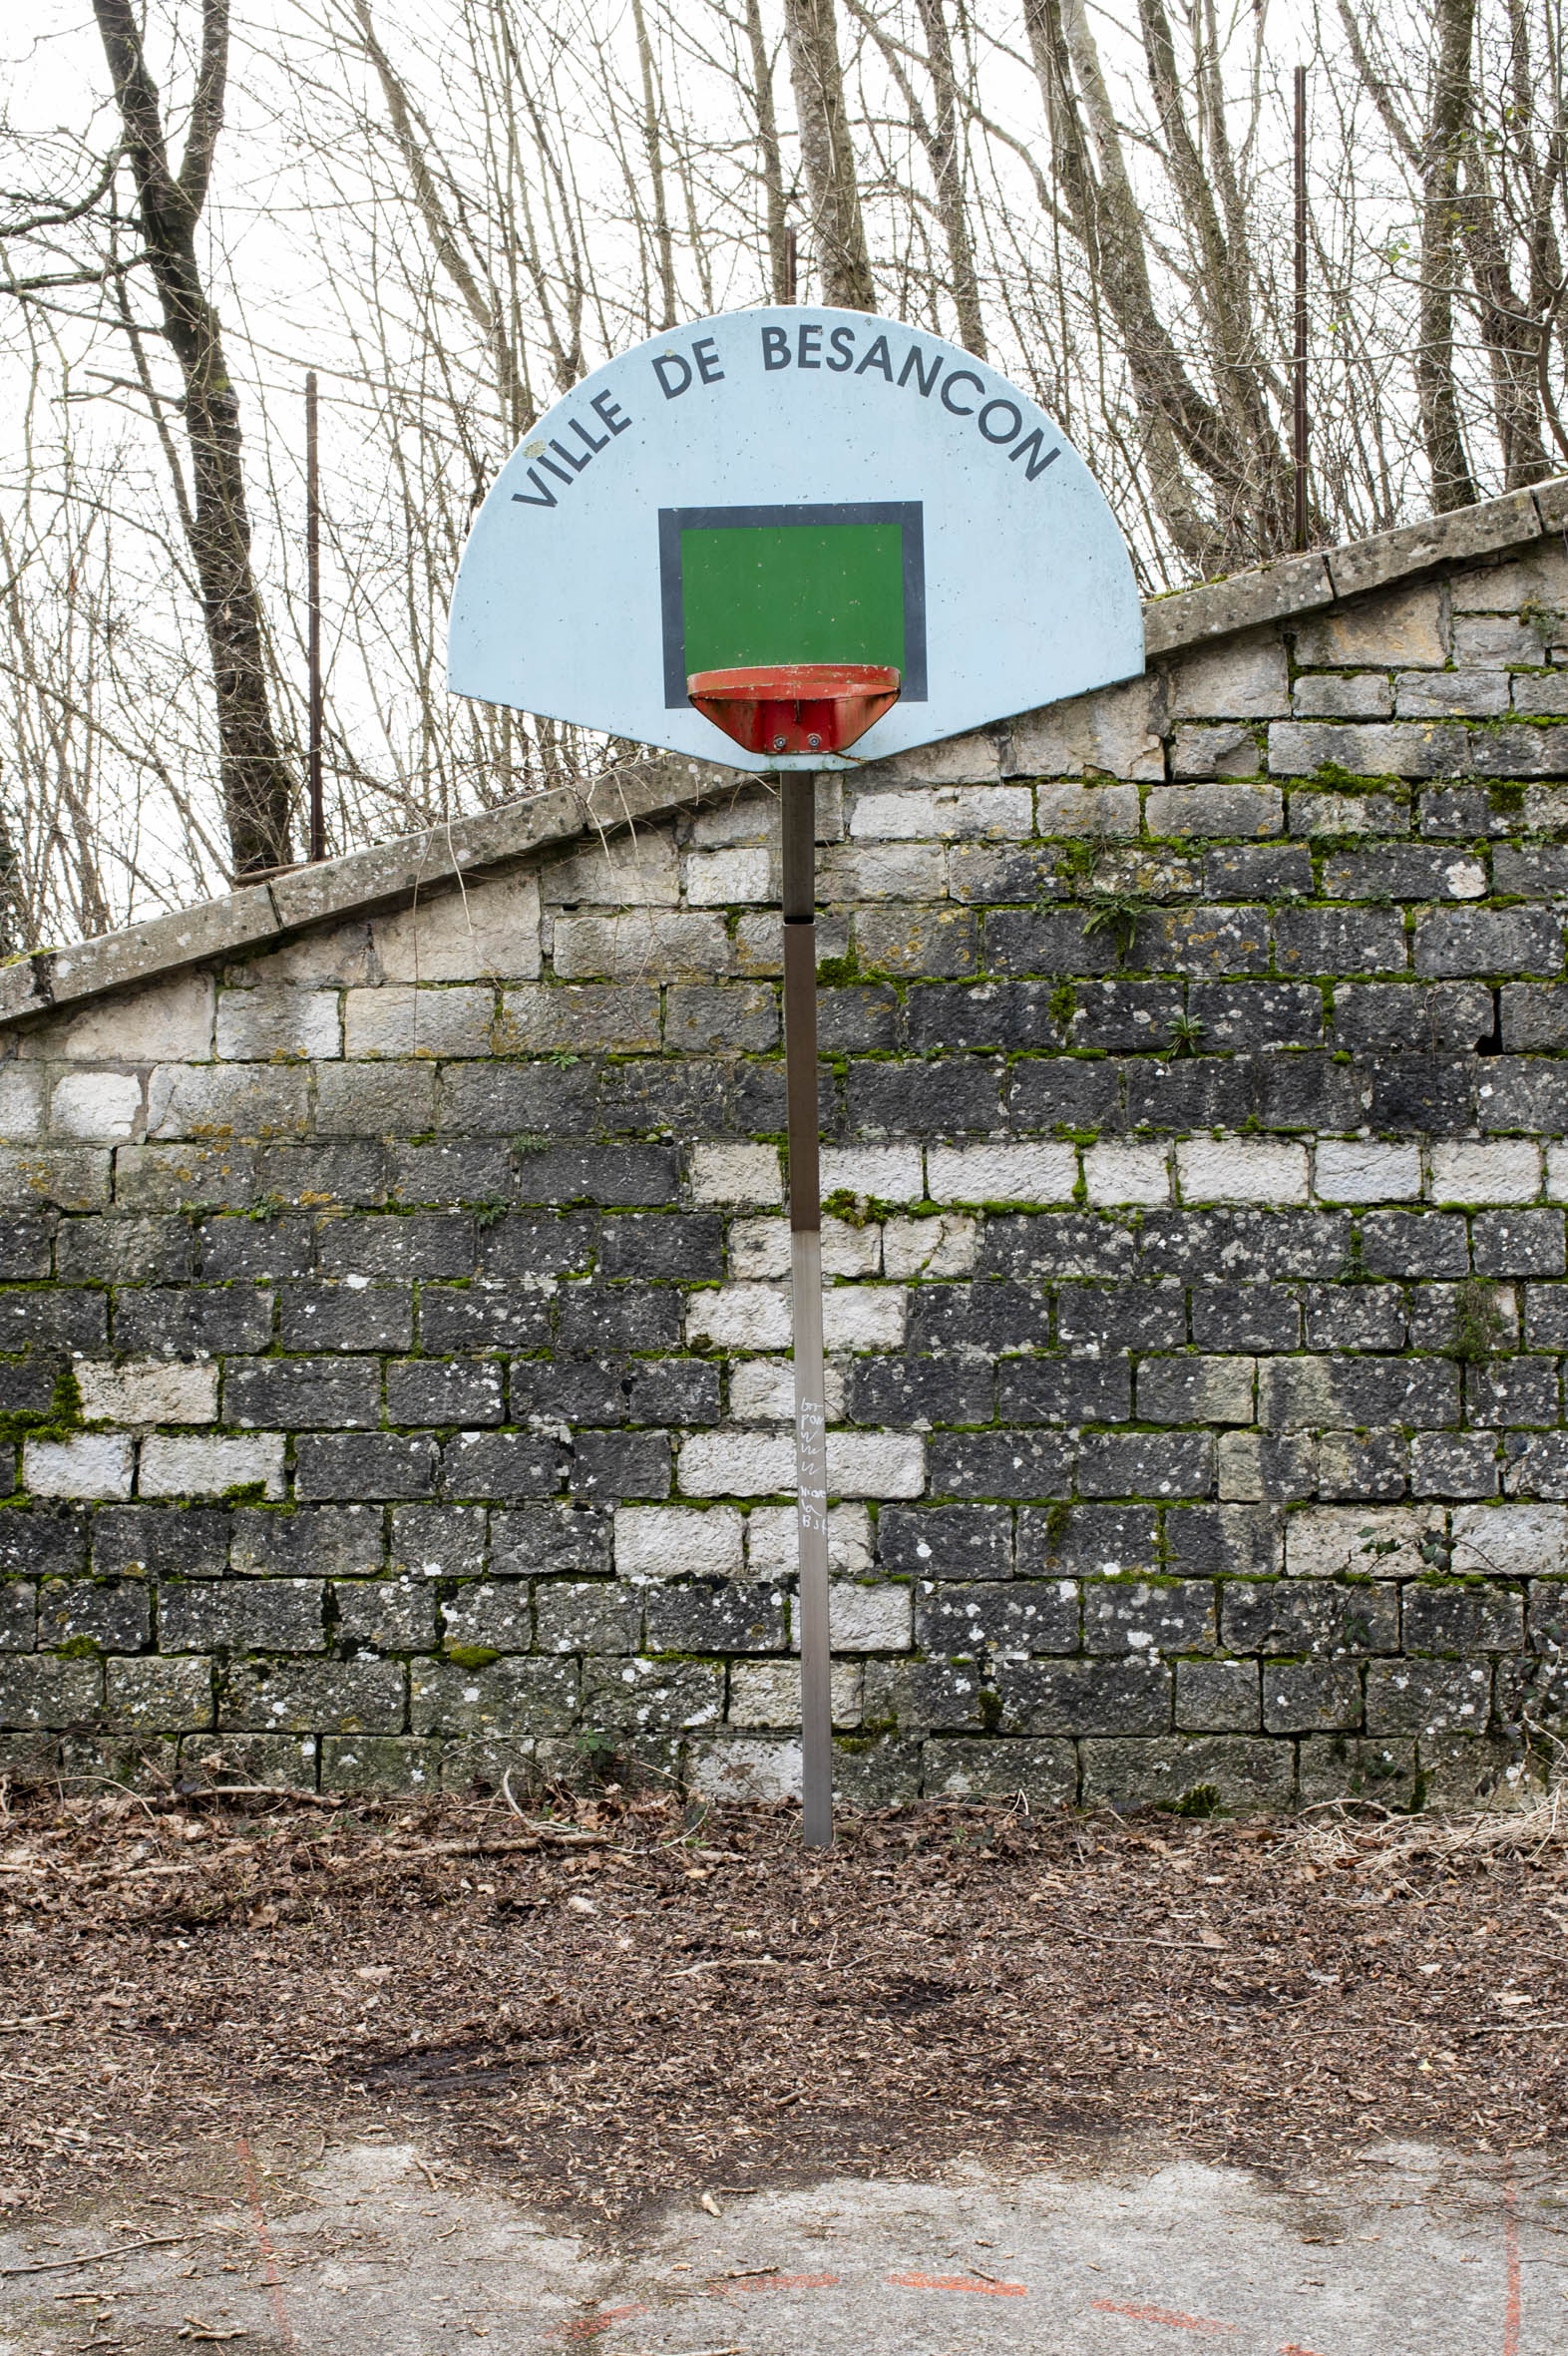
(268, 912)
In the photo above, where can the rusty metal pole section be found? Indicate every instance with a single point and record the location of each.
(799, 827)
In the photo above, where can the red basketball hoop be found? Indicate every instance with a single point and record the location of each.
(796, 707)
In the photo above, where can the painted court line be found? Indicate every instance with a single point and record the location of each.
(589, 2327)
(275, 2282)
(991, 2290)
(1163, 2315)
(1511, 2301)
(751, 2283)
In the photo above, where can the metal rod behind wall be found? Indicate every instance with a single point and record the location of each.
(799, 829)
(313, 596)
(1299, 436)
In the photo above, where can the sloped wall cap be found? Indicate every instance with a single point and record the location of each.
(37, 982)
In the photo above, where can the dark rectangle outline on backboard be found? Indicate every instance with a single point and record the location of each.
(673, 521)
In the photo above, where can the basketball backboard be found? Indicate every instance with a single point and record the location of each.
(792, 486)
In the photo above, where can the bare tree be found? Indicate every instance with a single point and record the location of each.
(258, 785)
(827, 156)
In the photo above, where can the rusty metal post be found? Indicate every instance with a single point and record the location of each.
(799, 829)
(313, 596)
(1300, 371)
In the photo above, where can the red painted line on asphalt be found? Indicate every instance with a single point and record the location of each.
(991, 2290)
(1162, 2315)
(589, 2327)
(1290, 2349)
(753, 2283)
(1511, 2303)
(274, 2281)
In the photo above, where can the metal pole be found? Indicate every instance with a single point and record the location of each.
(313, 594)
(799, 828)
(1301, 307)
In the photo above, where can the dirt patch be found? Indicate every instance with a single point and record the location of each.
(611, 2006)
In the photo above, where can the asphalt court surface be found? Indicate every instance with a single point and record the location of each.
(375, 2249)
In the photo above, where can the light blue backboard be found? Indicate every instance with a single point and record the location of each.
(1017, 588)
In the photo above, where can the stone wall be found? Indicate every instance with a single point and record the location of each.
(394, 1263)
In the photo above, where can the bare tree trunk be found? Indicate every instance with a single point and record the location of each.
(1453, 485)
(257, 782)
(1179, 424)
(946, 162)
(663, 236)
(828, 159)
(1221, 291)
(772, 153)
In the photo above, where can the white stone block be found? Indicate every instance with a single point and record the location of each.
(676, 1541)
(740, 1463)
(402, 1020)
(206, 1467)
(337, 956)
(767, 1693)
(944, 1245)
(876, 1465)
(864, 1317)
(718, 878)
(761, 1248)
(867, 1619)
(272, 1019)
(20, 1101)
(952, 760)
(737, 1464)
(740, 1317)
(1241, 1170)
(1027, 1173)
(1359, 1171)
(972, 813)
(644, 944)
(748, 1771)
(484, 930)
(1501, 1170)
(101, 1105)
(1333, 1541)
(884, 871)
(1511, 1541)
(1538, 576)
(773, 1549)
(225, 1100)
(1116, 730)
(1244, 679)
(147, 1390)
(169, 1023)
(1557, 1173)
(1400, 628)
(1115, 1174)
(880, 1173)
(762, 1391)
(1062, 807)
(90, 1464)
(736, 1174)
(750, 818)
(633, 870)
